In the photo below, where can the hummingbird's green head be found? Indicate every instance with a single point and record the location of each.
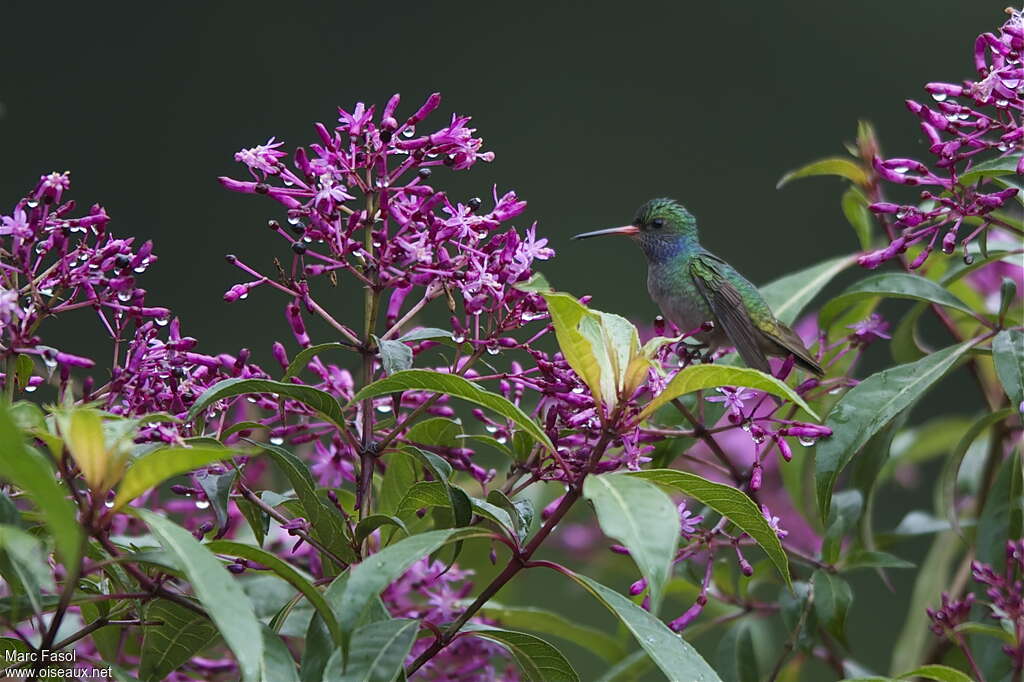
(661, 226)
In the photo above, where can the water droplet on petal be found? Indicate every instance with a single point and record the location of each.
(276, 440)
(384, 408)
(202, 504)
(109, 504)
(409, 131)
(807, 441)
(31, 388)
(939, 96)
(900, 169)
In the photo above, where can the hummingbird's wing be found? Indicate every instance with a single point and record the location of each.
(789, 342)
(729, 309)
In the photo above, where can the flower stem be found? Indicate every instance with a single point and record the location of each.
(521, 560)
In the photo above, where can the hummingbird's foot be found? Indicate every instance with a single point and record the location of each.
(694, 354)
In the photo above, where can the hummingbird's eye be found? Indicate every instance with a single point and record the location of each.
(658, 223)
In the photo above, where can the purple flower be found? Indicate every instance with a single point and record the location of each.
(951, 613)
(870, 329)
(262, 157)
(773, 522)
(16, 224)
(968, 123)
(733, 398)
(688, 521)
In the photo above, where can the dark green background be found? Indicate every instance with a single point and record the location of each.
(591, 108)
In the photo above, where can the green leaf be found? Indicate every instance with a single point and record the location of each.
(24, 565)
(320, 401)
(436, 431)
(449, 384)
(303, 357)
(369, 578)
(374, 521)
(29, 471)
(946, 489)
(940, 673)
(971, 628)
(933, 577)
(182, 635)
(285, 571)
(789, 295)
(1004, 165)
(423, 494)
(398, 477)
(427, 334)
(874, 559)
(326, 523)
(108, 638)
(736, 657)
(394, 355)
(23, 369)
(241, 426)
(890, 285)
(519, 511)
(844, 168)
(10, 647)
(1008, 355)
(729, 502)
(217, 488)
(641, 517)
(495, 514)
(28, 417)
(278, 664)
(538, 660)
(670, 652)
(551, 623)
(377, 655)
(438, 466)
(868, 408)
(1000, 520)
(844, 512)
(257, 519)
(226, 603)
(906, 344)
(832, 599)
(537, 283)
(318, 645)
(697, 377)
(855, 208)
(566, 314)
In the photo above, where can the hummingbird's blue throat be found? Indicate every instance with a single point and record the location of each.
(659, 249)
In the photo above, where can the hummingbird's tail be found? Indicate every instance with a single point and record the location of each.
(789, 343)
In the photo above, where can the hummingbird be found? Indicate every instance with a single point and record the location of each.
(692, 286)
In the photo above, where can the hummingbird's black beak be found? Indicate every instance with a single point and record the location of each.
(628, 230)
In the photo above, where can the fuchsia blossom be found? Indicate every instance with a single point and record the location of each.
(969, 124)
(869, 329)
